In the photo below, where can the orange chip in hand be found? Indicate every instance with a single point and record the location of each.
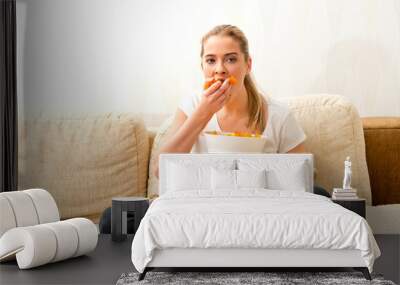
(207, 84)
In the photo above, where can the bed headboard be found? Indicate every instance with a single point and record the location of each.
(272, 160)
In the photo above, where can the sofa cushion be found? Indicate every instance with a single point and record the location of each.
(334, 131)
(84, 162)
(159, 140)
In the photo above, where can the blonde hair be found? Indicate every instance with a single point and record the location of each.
(256, 102)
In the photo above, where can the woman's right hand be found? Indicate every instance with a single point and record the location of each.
(215, 97)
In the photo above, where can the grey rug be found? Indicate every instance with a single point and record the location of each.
(225, 278)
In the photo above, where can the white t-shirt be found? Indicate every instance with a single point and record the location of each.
(283, 132)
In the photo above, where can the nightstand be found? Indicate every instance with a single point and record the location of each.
(356, 205)
(121, 207)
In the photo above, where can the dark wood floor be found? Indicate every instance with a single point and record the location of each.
(110, 260)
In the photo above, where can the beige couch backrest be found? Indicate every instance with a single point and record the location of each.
(84, 162)
(334, 131)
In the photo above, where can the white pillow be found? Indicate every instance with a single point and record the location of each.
(193, 174)
(251, 178)
(288, 174)
(291, 179)
(223, 179)
(229, 179)
(183, 177)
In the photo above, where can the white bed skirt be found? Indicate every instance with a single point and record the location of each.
(193, 257)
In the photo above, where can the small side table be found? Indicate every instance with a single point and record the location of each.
(121, 206)
(356, 205)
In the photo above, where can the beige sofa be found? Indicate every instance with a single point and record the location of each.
(85, 161)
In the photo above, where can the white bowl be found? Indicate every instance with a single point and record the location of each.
(234, 144)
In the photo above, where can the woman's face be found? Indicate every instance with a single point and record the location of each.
(222, 58)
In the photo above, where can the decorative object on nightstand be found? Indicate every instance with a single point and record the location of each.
(344, 194)
(355, 205)
(347, 196)
(121, 207)
(347, 174)
(347, 192)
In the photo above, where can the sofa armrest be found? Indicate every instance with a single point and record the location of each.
(382, 144)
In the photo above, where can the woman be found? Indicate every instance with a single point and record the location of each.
(231, 108)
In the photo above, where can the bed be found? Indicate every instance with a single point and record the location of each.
(247, 210)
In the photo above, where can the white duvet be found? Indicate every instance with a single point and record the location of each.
(250, 219)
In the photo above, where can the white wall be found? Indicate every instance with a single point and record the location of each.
(94, 56)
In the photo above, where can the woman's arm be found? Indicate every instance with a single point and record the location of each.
(298, 149)
(182, 134)
(185, 130)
